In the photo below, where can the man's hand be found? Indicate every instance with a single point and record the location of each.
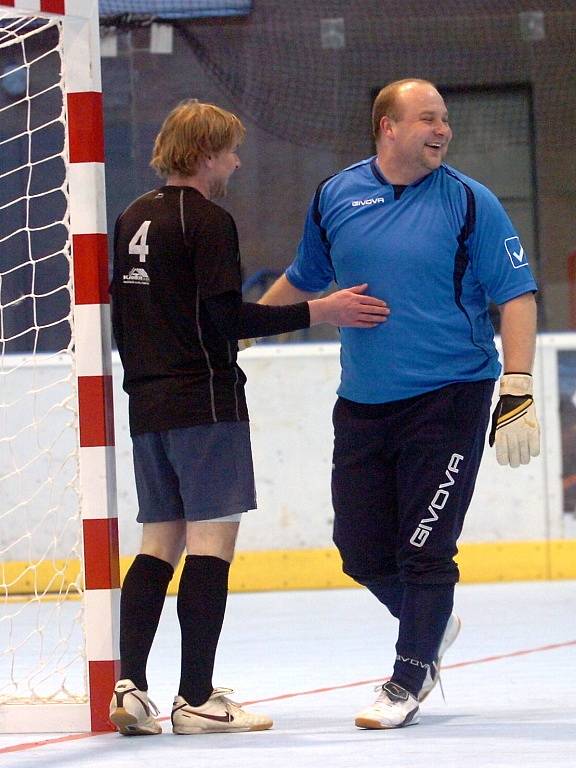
(246, 344)
(515, 428)
(349, 308)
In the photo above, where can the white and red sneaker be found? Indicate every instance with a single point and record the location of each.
(217, 715)
(132, 712)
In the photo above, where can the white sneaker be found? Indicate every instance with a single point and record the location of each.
(433, 673)
(132, 712)
(394, 708)
(217, 715)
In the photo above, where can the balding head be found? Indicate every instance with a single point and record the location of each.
(389, 101)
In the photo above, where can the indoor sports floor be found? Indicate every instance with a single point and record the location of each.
(311, 659)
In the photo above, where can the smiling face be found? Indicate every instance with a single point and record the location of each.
(415, 141)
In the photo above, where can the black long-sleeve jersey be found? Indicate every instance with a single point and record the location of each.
(177, 311)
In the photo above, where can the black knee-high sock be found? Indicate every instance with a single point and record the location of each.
(202, 596)
(425, 613)
(141, 602)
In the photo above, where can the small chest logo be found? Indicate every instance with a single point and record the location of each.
(137, 275)
(368, 201)
(515, 252)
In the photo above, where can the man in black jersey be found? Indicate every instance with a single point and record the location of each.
(177, 314)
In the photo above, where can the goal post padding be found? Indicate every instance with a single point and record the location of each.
(37, 704)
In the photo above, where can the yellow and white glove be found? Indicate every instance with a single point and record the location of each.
(515, 429)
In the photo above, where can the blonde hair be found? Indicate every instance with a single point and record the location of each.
(191, 132)
(386, 102)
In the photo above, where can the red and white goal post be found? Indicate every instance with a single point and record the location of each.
(59, 571)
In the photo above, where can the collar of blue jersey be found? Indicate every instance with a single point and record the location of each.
(381, 178)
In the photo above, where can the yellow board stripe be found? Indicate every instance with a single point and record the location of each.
(322, 568)
(46, 577)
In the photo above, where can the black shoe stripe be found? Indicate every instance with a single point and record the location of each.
(120, 699)
(410, 716)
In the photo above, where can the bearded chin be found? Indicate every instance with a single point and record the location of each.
(218, 190)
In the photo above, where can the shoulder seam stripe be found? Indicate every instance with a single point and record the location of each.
(461, 258)
(316, 215)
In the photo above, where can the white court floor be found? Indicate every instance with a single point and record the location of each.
(510, 684)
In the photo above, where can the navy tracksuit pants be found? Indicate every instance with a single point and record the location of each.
(403, 477)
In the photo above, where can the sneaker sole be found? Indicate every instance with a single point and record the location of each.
(192, 731)
(128, 725)
(450, 640)
(376, 725)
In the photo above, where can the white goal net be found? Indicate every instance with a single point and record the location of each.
(40, 546)
(43, 658)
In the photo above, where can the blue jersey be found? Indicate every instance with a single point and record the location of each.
(437, 254)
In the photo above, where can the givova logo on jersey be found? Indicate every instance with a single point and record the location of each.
(368, 201)
(515, 252)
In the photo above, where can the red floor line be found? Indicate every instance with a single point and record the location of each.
(458, 665)
(44, 742)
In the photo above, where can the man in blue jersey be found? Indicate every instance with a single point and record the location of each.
(415, 393)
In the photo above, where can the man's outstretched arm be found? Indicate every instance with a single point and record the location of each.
(349, 307)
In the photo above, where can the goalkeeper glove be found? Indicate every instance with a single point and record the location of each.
(515, 429)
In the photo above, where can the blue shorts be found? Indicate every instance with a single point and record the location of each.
(195, 473)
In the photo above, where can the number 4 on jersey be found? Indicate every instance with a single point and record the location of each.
(138, 246)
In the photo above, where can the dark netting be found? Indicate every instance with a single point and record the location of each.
(304, 71)
(302, 75)
(34, 254)
(172, 9)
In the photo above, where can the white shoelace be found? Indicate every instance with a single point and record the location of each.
(222, 693)
(153, 707)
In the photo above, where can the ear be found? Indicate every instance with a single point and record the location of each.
(386, 126)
